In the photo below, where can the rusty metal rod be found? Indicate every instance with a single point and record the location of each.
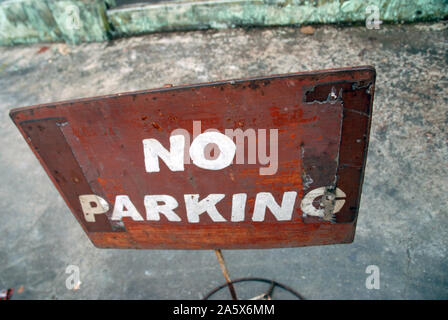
(224, 270)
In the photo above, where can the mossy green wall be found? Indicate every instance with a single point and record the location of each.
(231, 13)
(25, 21)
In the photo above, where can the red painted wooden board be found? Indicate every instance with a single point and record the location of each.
(280, 165)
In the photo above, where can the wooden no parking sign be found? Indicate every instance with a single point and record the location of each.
(267, 162)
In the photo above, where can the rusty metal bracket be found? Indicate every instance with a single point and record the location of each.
(267, 295)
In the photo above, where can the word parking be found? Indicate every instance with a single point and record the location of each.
(157, 205)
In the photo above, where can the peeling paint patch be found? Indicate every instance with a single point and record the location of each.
(329, 202)
(306, 181)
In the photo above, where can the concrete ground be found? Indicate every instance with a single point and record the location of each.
(402, 226)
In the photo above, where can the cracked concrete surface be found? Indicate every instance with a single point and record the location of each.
(402, 225)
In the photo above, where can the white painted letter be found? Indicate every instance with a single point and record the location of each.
(91, 205)
(266, 200)
(153, 208)
(195, 207)
(125, 208)
(307, 202)
(238, 207)
(187, 140)
(174, 158)
(226, 147)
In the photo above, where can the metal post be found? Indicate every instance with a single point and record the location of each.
(224, 270)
